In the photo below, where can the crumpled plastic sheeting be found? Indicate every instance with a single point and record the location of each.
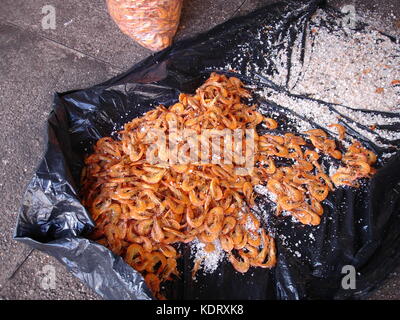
(360, 227)
(96, 266)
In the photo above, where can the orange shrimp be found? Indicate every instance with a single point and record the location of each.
(135, 256)
(340, 128)
(192, 221)
(240, 266)
(270, 123)
(214, 220)
(153, 282)
(228, 224)
(141, 209)
(226, 243)
(156, 262)
(168, 251)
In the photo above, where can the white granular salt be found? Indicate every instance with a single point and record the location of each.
(209, 260)
(332, 170)
(263, 190)
(261, 213)
(345, 67)
(249, 225)
(323, 116)
(350, 69)
(388, 155)
(353, 70)
(284, 240)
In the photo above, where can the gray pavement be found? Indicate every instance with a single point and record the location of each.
(85, 48)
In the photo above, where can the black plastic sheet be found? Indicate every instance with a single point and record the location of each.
(360, 227)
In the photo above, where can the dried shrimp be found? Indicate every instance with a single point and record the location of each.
(141, 209)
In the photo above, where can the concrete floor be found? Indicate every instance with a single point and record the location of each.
(85, 48)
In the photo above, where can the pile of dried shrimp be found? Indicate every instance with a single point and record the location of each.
(141, 209)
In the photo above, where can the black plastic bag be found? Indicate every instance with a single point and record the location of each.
(360, 227)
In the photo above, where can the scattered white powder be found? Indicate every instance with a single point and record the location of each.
(322, 115)
(353, 72)
(260, 211)
(332, 170)
(263, 190)
(350, 70)
(209, 260)
(388, 155)
(344, 66)
(284, 239)
(249, 225)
